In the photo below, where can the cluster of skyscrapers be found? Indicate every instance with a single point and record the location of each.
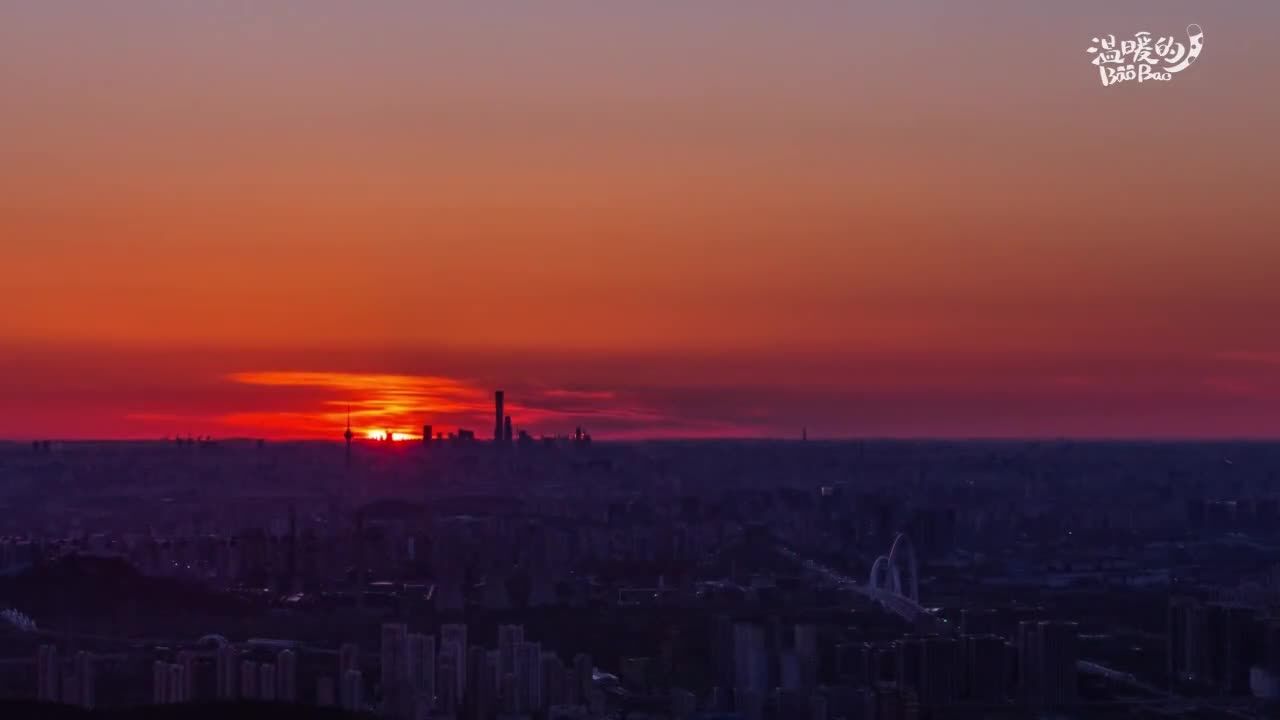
(1211, 644)
(446, 676)
(504, 433)
(73, 685)
(769, 665)
(417, 676)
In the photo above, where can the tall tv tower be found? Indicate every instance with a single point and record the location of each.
(348, 435)
(498, 416)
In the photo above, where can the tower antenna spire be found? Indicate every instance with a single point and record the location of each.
(348, 435)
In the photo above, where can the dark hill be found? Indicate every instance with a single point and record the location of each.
(94, 587)
(30, 710)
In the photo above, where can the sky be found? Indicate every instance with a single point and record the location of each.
(650, 219)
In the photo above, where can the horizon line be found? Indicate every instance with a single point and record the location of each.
(1160, 439)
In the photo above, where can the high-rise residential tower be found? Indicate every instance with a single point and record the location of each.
(498, 416)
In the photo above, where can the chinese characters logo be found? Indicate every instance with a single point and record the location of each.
(1144, 57)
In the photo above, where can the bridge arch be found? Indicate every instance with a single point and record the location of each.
(902, 546)
(888, 571)
(880, 574)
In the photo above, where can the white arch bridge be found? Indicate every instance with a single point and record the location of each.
(891, 585)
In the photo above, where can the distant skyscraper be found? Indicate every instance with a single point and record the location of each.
(48, 673)
(446, 679)
(456, 633)
(1182, 651)
(267, 682)
(584, 674)
(476, 665)
(750, 662)
(287, 676)
(86, 679)
(490, 684)
(1231, 633)
(293, 582)
(721, 653)
(426, 434)
(509, 636)
(70, 689)
(1058, 645)
(806, 645)
(228, 672)
(249, 680)
(422, 665)
(553, 679)
(353, 691)
(498, 415)
(506, 431)
(529, 675)
(159, 682)
(635, 674)
(187, 661)
(177, 685)
(1030, 676)
(395, 645)
(348, 435)
(909, 662)
(348, 658)
(986, 667)
(940, 676)
(510, 697)
(1047, 655)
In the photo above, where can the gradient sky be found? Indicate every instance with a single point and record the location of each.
(651, 218)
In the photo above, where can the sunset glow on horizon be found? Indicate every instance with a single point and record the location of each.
(650, 219)
(379, 405)
(392, 435)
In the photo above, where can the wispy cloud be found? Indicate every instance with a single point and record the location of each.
(381, 402)
(579, 394)
(376, 402)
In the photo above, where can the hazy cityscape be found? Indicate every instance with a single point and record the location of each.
(649, 360)
(507, 576)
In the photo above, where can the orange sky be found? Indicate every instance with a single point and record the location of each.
(709, 220)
